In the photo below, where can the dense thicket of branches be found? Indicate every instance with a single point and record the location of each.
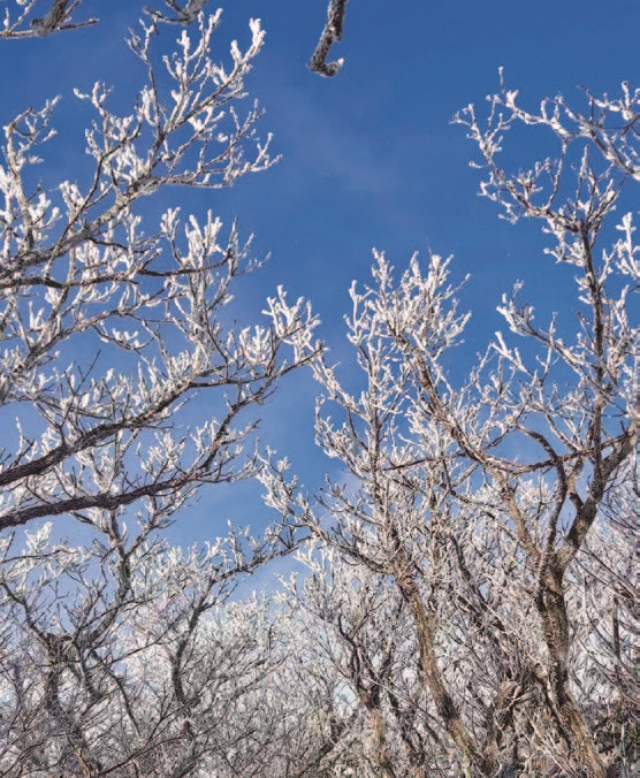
(469, 605)
(502, 511)
(112, 328)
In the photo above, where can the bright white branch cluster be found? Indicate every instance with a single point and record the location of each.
(82, 277)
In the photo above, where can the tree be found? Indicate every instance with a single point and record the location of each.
(112, 660)
(503, 509)
(151, 303)
(158, 680)
(347, 625)
(470, 606)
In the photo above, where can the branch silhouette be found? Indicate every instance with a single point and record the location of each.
(332, 32)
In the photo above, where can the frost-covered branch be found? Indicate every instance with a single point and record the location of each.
(58, 18)
(82, 271)
(331, 33)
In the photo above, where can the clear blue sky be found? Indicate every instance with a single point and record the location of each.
(369, 158)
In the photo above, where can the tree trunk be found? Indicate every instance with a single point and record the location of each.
(552, 609)
(445, 705)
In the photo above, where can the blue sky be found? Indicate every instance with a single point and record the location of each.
(369, 158)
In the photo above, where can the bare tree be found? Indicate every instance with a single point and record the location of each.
(471, 603)
(504, 508)
(82, 277)
(348, 628)
(114, 656)
(126, 663)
